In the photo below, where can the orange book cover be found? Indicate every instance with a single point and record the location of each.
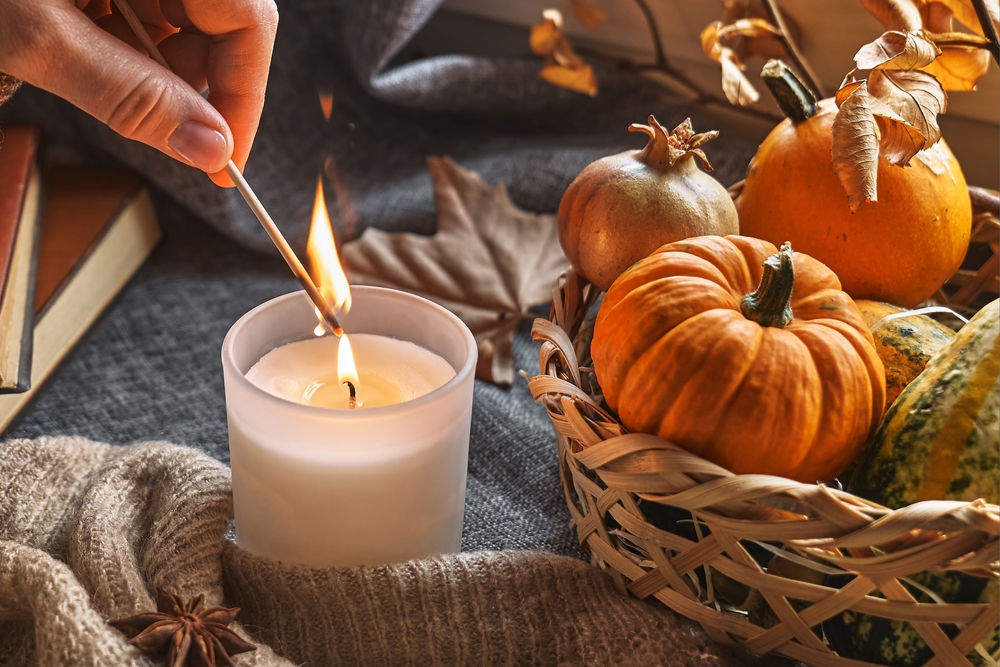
(20, 194)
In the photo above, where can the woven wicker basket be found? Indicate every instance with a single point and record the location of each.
(667, 524)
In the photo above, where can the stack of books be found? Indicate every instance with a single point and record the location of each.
(70, 240)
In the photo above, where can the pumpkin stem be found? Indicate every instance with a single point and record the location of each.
(797, 102)
(770, 304)
(665, 149)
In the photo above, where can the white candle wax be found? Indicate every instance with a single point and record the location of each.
(340, 487)
(390, 371)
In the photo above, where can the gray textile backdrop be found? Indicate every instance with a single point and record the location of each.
(151, 369)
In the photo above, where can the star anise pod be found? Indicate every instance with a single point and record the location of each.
(188, 634)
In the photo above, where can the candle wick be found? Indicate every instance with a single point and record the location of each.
(352, 401)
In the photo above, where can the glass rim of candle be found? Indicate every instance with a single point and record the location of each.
(461, 374)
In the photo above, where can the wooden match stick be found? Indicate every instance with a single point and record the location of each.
(326, 311)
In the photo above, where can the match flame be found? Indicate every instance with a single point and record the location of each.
(346, 370)
(324, 264)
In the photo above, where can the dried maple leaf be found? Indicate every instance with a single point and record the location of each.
(735, 84)
(489, 261)
(188, 634)
(563, 67)
(588, 14)
(855, 145)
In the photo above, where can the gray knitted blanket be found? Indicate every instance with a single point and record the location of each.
(88, 530)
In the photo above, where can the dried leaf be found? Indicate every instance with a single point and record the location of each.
(959, 67)
(752, 37)
(588, 14)
(849, 85)
(903, 15)
(710, 40)
(936, 17)
(856, 148)
(579, 78)
(897, 50)
(732, 10)
(752, 27)
(965, 12)
(898, 140)
(563, 67)
(488, 262)
(543, 37)
(735, 84)
(914, 96)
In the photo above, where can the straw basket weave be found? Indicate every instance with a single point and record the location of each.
(667, 524)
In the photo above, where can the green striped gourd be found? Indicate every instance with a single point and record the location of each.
(904, 345)
(939, 440)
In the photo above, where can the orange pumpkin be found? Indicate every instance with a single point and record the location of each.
(770, 381)
(899, 249)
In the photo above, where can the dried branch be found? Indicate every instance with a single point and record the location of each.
(985, 200)
(662, 64)
(654, 33)
(989, 29)
(801, 64)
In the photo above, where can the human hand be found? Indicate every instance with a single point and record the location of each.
(85, 52)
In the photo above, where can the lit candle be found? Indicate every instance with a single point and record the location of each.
(318, 483)
(384, 371)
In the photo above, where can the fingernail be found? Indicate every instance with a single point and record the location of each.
(199, 144)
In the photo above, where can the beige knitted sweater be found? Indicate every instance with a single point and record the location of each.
(88, 530)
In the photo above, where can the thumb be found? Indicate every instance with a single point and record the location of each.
(129, 92)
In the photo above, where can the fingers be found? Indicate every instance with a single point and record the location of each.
(73, 58)
(127, 90)
(187, 53)
(239, 56)
(119, 27)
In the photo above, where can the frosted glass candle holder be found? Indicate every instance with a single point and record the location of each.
(325, 487)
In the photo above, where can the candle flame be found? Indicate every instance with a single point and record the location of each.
(346, 370)
(324, 263)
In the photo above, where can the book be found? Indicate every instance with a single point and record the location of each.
(98, 228)
(20, 192)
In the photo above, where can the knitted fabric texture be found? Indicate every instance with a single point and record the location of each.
(87, 530)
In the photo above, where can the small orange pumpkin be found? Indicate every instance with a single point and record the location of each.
(770, 381)
(899, 249)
